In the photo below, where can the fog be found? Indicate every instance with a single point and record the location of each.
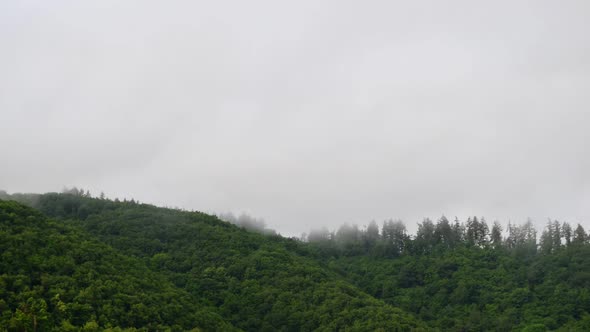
(304, 114)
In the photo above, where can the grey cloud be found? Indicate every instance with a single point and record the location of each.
(304, 114)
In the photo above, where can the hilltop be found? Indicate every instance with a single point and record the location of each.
(168, 269)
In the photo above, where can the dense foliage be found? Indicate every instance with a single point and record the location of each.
(56, 277)
(466, 277)
(101, 264)
(254, 282)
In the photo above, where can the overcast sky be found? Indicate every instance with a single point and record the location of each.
(304, 113)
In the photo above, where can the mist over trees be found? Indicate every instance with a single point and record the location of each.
(247, 222)
(469, 275)
(391, 238)
(107, 265)
(449, 275)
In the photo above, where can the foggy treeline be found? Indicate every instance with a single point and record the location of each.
(391, 238)
(448, 276)
(246, 221)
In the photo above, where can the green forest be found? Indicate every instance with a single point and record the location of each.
(71, 262)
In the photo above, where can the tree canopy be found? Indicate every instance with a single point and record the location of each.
(77, 263)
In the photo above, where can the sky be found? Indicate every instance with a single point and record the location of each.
(303, 113)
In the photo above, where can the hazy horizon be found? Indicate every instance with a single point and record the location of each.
(304, 114)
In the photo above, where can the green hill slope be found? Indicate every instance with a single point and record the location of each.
(107, 264)
(54, 276)
(481, 289)
(256, 282)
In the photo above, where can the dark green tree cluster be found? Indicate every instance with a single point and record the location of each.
(83, 264)
(466, 277)
(54, 277)
(245, 280)
(393, 240)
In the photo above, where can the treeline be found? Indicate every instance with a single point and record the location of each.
(392, 239)
(158, 269)
(468, 276)
(173, 269)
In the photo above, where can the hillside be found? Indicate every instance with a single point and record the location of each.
(253, 282)
(465, 277)
(80, 262)
(55, 277)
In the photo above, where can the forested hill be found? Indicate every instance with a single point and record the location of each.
(467, 276)
(93, 264)
(55, 277)
(81, 263)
